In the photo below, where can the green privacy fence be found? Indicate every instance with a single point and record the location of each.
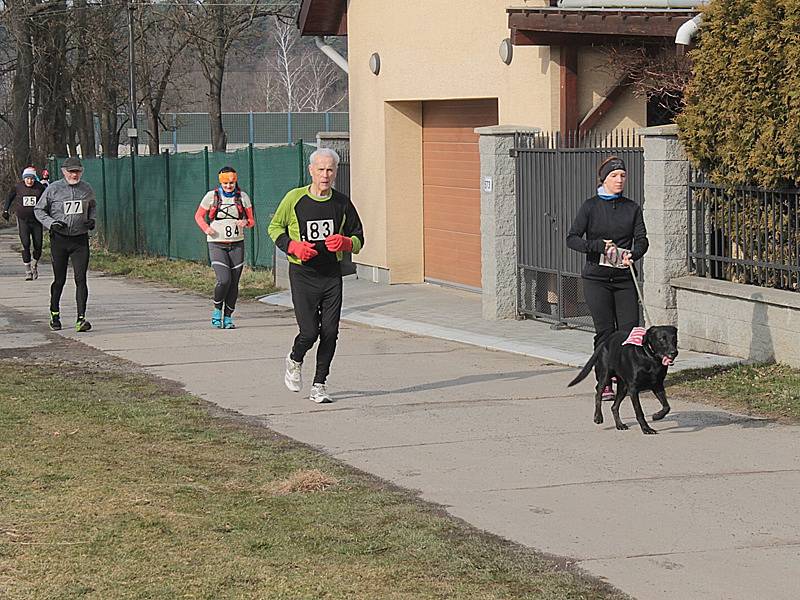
(146, 204)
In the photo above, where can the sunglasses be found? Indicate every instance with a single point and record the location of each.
(75, 171)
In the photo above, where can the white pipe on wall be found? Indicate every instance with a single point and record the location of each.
(331, 53)
(688, 30)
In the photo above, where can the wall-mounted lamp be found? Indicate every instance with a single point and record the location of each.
(375, 63)
(506, 51)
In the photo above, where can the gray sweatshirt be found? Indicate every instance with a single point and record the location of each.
(72, 204)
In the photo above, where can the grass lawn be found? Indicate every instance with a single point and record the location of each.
(184, 274)
(767, 390)
(113, 485)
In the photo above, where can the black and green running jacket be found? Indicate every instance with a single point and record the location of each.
(302, 216)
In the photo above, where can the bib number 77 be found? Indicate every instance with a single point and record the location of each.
(317, 231)
(73, 207)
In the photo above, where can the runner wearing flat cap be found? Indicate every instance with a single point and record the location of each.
(68, 209)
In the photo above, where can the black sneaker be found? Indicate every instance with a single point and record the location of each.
(55, 321)
(82, 325)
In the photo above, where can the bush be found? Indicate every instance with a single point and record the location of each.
(741, 122)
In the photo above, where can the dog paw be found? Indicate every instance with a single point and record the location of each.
(622, 426)
(660, 415)
(598, 419)
(648, 431)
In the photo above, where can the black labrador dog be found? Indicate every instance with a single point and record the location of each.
(637, 369)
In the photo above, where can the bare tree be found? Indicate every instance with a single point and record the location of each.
(297, 76)
(214, 28)
(20, 26)
(162, 34)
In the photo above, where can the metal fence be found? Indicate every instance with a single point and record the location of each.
(194, 129)
(343, 175)
(555, 174)
(745, 234)
(147, 203)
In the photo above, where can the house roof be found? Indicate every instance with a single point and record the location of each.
(553, 26)
(322, 17)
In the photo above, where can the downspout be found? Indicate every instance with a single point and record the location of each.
(331, 53)
(688, 30)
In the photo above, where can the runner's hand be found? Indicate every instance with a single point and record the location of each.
(58, 226)
(5, 215)
(90, 224)
(626, 258)
(303, 250)
(211, 232)
(242, 223)
(339, 243)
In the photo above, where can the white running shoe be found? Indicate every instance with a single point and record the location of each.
(319, 394)
(294, 376)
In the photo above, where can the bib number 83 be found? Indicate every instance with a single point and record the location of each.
(319, 230)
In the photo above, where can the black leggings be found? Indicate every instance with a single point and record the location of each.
(227, 260)
(30, 231)
(317, 300)
(62, 249)
(613, 305)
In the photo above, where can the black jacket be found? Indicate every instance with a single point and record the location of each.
(26, 198)
(619, 220)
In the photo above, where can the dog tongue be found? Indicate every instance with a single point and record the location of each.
(666, 361)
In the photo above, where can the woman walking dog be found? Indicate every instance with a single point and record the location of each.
(609, 229)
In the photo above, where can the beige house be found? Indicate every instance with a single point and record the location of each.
(424, 74)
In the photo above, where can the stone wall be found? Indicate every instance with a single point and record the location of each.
(735, 319)
(666, 172)
(498, 221)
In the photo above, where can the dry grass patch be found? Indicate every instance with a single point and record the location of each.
(304, 481)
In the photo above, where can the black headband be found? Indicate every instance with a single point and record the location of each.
(612, 165)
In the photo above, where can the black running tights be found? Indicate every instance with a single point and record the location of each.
(64, 248)
(317, 300)
(30, 231)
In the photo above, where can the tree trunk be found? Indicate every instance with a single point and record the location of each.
(21, 90)
(153, 141)
(216, 72)
(108, 133)
(218, 136)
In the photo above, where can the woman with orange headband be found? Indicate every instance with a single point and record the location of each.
(223, 215)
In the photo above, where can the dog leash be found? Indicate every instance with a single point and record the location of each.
(647, 318)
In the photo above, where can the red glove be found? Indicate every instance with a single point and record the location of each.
(302, 250)
(339, 243)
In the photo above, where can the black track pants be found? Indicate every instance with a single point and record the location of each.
(64, 248)
(227, 260)
(317, 300)
(30, 231)
(613, 305)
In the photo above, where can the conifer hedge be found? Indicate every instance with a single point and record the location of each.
(741, 122)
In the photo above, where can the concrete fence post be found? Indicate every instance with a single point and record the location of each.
(499, 221)
(666, 176)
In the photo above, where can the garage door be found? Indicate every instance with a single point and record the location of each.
(451, 188)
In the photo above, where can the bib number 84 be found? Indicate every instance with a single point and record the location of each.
(231, 231)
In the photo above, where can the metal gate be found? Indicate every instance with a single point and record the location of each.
(555, 174)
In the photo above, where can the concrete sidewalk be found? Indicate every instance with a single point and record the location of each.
(455, 315)
(707, 509)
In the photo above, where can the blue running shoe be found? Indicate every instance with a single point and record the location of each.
(227, 323)
(216, 318)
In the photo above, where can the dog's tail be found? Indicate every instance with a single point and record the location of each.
(587, 368)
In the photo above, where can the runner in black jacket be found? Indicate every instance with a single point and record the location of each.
(24, 196)
(609, 229)
(314, 225)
